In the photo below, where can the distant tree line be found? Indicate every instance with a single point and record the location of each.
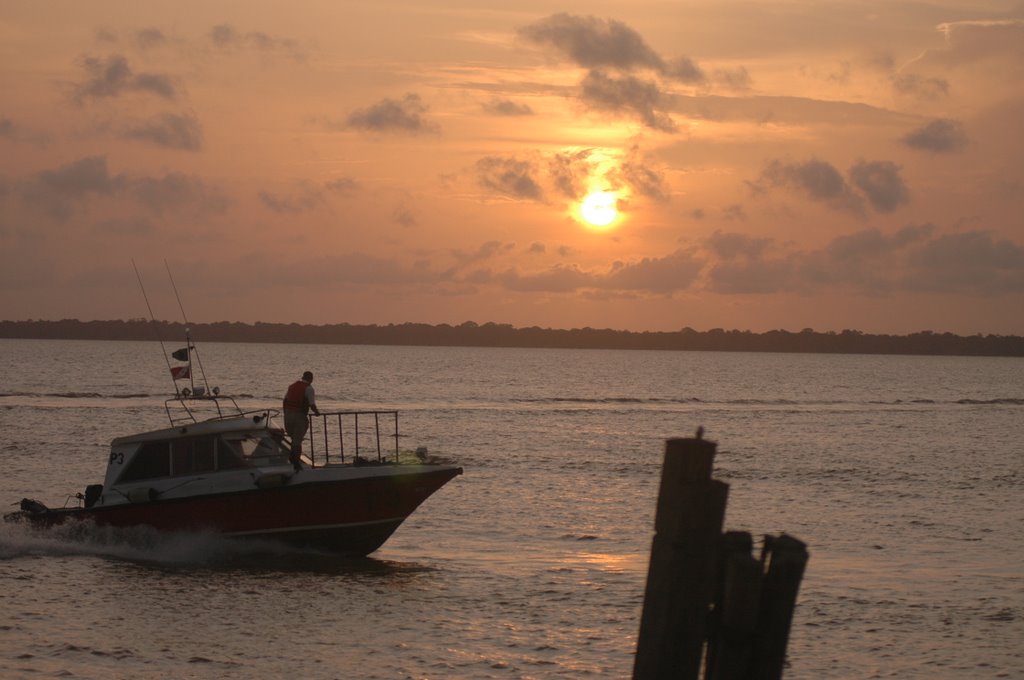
(471, 334)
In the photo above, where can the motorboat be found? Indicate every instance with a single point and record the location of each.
(220, 469)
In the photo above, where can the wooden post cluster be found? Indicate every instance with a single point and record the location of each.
(707, 597)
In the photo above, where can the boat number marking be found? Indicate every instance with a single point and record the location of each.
(116, 458)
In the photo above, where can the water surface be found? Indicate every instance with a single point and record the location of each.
(903, 474)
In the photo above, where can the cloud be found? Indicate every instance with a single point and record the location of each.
(510, 177)
(869, 262)
(753, 276)
(291, 205)
(968, 42)
(594, 43)
(866, 261)
(507, 107)
(574, 173)
(599, 44)
(607, 45)
(732, 246)
(54, 192)
(819, 180)
(942, 135)
(87, 175)
(841, 73)
(920, 86)
(306, 197)
(227, 38)
(177, 192)
(394, 115)
(16, 132)
(404, 216)
(570, 172)
(148, 38)
(741, 267)
(105, 35)
(685, 70)
(734, 211)
(341, 185)
(968, 263)
(880, 60)
(675, 272)
(641, 177)
(558, 279)
(169, 130)
(113, 76)
(872, 243)
(59, 192)
(784, 110)
(645, 180)
(737, 79)
(880, 181)
(989, 48)
(627, 94)
(486, 251)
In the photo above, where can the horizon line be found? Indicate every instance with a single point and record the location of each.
(469, 324)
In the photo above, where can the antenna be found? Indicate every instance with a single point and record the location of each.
(156, 328)
(188, 338)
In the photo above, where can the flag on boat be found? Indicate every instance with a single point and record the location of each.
(181, 372)
(180, 354)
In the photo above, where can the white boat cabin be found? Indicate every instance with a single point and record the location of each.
(205, 448)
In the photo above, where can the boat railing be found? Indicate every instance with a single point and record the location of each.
(353, 436)
(196, 406)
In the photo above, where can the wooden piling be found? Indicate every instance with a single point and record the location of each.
(707, 587)
(680, 577)
(731, 641)
(785, 558)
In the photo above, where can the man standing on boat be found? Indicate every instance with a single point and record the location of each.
(298, 400)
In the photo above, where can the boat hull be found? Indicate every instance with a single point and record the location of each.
(351, 516)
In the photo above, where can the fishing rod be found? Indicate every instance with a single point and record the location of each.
(156, 328)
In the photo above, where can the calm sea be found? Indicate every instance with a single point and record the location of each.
(905, 476)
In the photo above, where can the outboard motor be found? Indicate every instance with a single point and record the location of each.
(92, 494)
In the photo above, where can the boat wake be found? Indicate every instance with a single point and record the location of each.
(203, 550)
(136, 543)
(98, 395)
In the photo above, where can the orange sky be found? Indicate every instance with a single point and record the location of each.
(774, 164)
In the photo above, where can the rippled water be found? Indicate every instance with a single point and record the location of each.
(903, 474)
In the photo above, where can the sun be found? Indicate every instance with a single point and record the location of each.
(599, 208)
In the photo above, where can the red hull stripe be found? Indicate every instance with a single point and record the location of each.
(318, 527)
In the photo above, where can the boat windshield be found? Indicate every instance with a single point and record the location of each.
(260, 449)
(185, 456)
